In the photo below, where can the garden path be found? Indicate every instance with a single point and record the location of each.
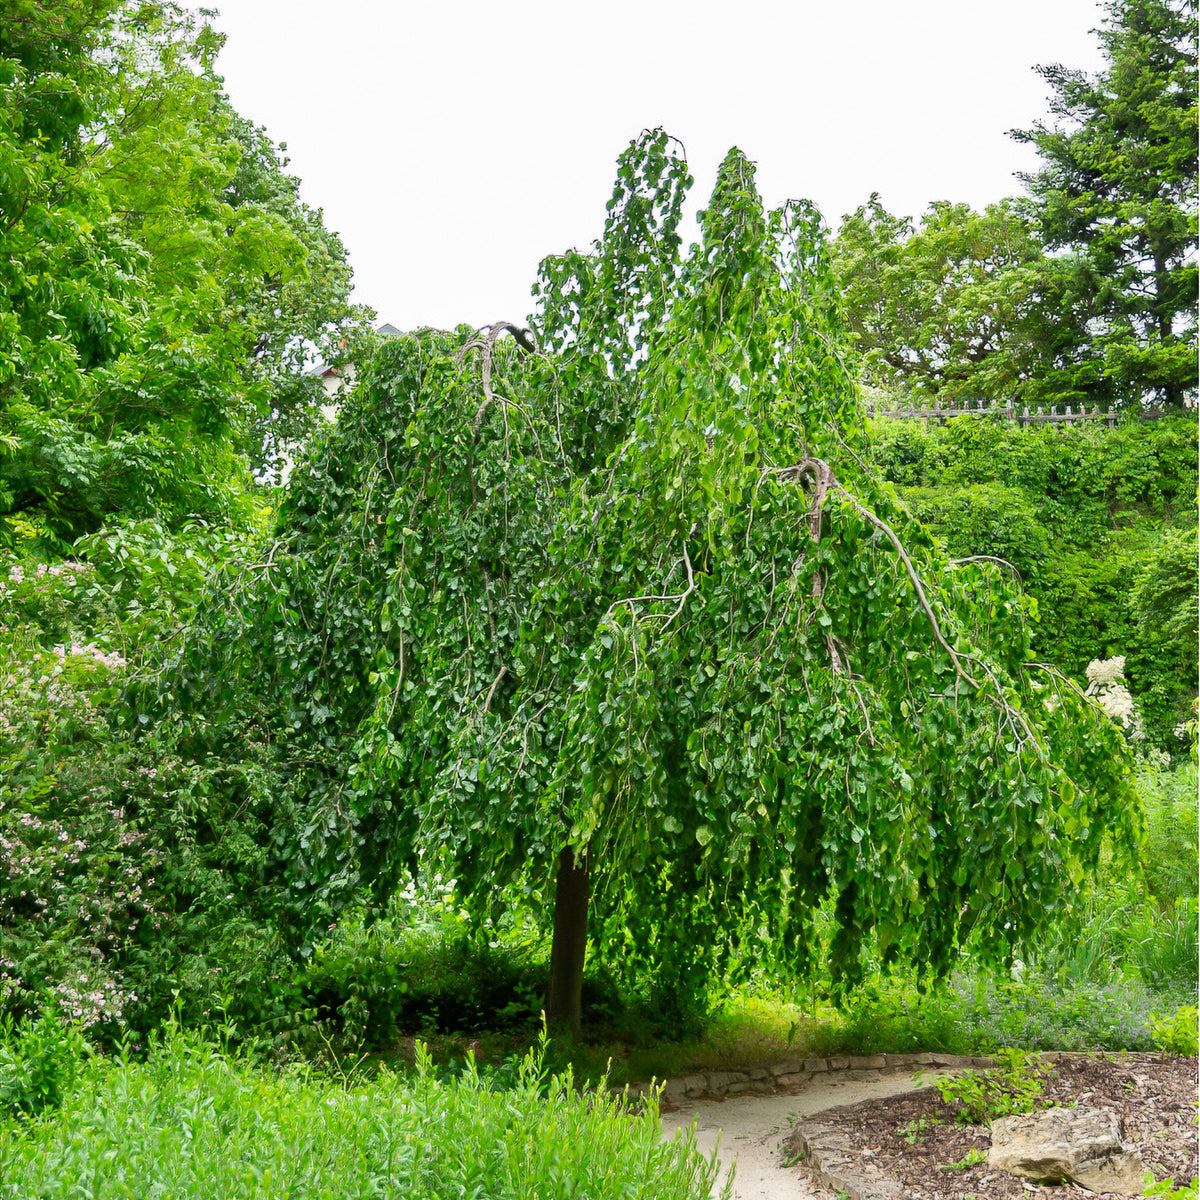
(751, 1130)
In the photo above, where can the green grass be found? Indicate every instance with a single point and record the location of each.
(969, 1014)
(1125, 970)
(195, 1124)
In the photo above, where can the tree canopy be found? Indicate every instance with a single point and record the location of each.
(631, 604)
(964, 306)
(1117, 188)
(1082, 292)
(160, 280)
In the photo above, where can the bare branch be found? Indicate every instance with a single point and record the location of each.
(486, 346)
(487, 704)
(975, 558)
(681, 597)
(913, 576)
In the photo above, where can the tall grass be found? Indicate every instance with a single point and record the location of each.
(194, 1124)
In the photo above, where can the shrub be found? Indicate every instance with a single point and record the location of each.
(1100, 523)
(136, 854)
(214, 1128)
(375, 982)
(1013, 1086)
(1177, 1033)
(39, 1062)
(1170, 852)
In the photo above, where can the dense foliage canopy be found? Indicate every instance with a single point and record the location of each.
(620, 616)
(160, 280)
(1100, 525)
(1118, 189)
(966, 305)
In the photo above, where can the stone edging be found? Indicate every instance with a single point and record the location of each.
(836, 1164)
(841, 1167)
(823, 1149)
(792, 1074)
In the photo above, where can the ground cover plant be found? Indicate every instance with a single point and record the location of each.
(189, 1120)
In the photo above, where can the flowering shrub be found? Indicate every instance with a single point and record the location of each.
(44, 599)
(134, 855)
(74, 896)
(73, 867)
(1106, 685)
(54, 690)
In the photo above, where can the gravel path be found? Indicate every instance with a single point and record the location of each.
(752, 1128)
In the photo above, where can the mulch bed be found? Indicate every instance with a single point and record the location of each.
(913, 1138)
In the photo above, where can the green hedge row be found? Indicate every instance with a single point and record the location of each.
(1100, 522)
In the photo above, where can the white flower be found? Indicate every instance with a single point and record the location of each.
(1117, 702)
(1103, 672)
(1106, 685)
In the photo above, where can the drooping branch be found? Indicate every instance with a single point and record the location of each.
(911, 571)
(486, 346)
(680, 596)
(976, 558)
(824, 481)
(487, 704)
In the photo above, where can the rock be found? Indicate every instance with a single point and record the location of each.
(675, 1090)
(953, 1061)
(721, 1081)
(794, 1079)
(868, 1062)
(1061, 1145)
(1122, 1173)
(787, 1066)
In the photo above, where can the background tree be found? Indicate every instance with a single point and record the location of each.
(1118, 188)
(690, 664)
(161, 280)
(964, 306)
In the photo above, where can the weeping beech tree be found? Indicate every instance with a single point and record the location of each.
(616, 607)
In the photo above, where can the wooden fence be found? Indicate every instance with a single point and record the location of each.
(1058, 414)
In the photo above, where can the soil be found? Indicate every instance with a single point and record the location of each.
(913, 1138)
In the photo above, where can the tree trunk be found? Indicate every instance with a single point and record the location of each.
(1172, 394)
(564, 999)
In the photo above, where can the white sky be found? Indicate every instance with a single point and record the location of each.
(453, 144)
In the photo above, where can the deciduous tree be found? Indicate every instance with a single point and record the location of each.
(631, 614)
(160, 280)
(963, 306)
